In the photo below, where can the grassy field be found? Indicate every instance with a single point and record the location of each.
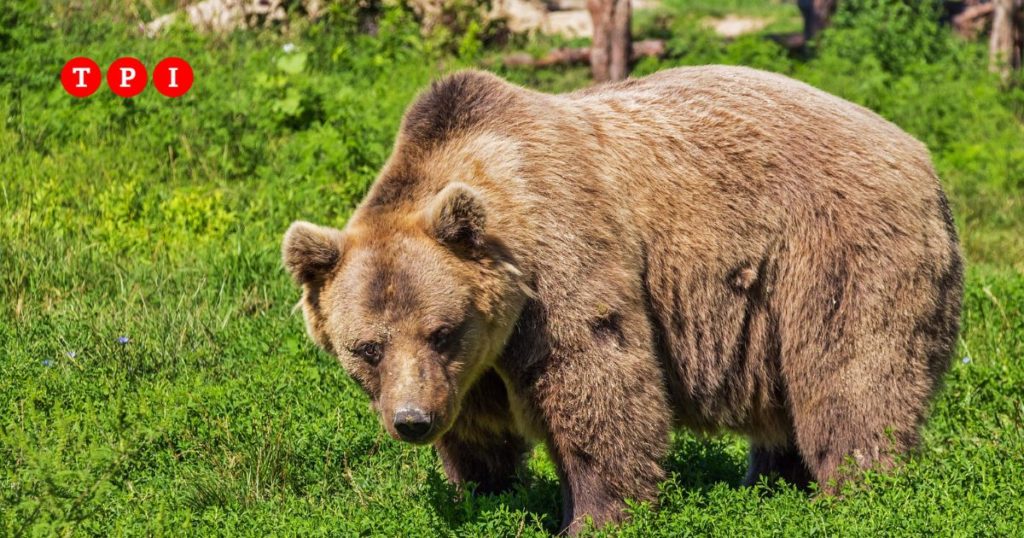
(154, 379)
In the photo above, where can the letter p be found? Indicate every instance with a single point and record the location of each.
(128, 74)
(126, 77)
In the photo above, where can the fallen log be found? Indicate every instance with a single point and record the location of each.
(973, 19)
(568, 56)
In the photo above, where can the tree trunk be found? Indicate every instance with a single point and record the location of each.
(1005, 41)
(610, 46)
(621, 40)
(816, 16)
(654, 48)
(600, 14)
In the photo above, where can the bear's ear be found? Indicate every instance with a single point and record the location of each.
(310, 251)
(456, 217)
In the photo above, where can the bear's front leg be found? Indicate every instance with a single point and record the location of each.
(607, 420)
(482, 446)
(492, 464)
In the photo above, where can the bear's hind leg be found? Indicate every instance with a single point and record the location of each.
(856, 338)
(841, 433)
(777, 462)
(856, 401)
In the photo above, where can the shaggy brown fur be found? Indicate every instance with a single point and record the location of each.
(711, 247)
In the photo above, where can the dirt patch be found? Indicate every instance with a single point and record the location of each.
(732, 26)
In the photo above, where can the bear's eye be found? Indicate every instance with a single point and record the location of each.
(441, 338)
(370, 352)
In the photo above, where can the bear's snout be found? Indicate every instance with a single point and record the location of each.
(412, 423)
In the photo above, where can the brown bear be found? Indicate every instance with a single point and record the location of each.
(708, 247)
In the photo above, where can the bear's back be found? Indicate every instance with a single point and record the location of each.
(724, 120)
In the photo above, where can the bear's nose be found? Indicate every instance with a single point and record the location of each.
(412, 424)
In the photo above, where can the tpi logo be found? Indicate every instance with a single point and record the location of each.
(126, 77)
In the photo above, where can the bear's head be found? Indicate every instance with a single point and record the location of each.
(415, 304)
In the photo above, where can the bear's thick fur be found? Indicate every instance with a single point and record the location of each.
(710, 247)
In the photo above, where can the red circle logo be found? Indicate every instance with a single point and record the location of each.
(126, 77)
(81, 77)
(173, 77)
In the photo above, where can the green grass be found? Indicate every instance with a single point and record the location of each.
(160, 221)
